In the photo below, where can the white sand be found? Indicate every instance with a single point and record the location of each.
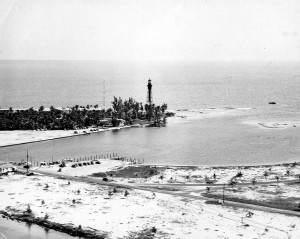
(106, 165)
(120, 215)
(27, 136)
(196, 114)
(20, 136)
(273, 124)
(264, 192)
(223, 175)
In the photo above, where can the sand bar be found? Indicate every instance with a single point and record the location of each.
(8, 138)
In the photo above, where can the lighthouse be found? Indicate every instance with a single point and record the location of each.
(149, 94)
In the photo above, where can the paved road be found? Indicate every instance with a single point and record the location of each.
(215, 184)
(194, 195)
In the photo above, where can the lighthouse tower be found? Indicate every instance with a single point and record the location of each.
(149, 94)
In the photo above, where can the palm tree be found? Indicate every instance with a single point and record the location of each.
(52, 109)
(117, 105)
(164, 107)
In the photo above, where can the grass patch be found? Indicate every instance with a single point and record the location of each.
(99, 175)
(147, 233)
(132, 172)
(291, 203)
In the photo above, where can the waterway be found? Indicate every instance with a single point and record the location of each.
(221, 139)
(14, 230)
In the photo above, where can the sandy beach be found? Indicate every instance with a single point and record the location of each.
(15, 137)
(117, 216)
(150, 119)
(274, 124)
(205, 113)
(8, 138)
(158, 209)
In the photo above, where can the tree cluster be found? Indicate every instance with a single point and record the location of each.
(79, 116)
(130, 110)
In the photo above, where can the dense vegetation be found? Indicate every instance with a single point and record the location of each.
(78, 117)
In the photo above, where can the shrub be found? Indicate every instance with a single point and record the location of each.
(43, 202)
(28, 210)
(287, 172)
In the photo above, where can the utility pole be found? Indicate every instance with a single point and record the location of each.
(27, 161)
(104, 97)
(223, 193)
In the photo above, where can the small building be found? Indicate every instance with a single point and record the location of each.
(121, 122)
(104, 122)
(6, 168)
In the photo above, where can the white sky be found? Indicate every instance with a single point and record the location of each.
(137, 30)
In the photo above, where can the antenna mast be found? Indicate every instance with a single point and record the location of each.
(104, 95)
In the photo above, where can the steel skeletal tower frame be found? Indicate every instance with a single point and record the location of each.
(103, 95)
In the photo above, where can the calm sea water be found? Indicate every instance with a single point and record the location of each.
(219, 140)
(181, 85)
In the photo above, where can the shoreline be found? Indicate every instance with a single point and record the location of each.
(34, 136)
(72, 134)
(223, 166)
(105, 212)
(273, 125)
(72, 231)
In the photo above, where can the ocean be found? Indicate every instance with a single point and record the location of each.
(235, 93)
